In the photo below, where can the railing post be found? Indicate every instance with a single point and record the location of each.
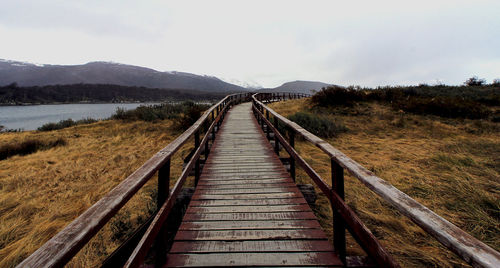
(206, 150)
(162, 195)
(291, 133)
(197, 163)
(163, 184)
(268, 129)
(276, 142)
(339, 241)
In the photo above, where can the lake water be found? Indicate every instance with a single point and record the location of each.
(34, 116)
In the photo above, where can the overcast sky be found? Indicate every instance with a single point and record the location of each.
(366, 43)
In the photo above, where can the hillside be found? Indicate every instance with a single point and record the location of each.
(298, 87)
(27, 74)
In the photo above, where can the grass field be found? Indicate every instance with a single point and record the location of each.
(42, 192)
(452, 166)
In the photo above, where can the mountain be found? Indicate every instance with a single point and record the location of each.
(298, 87)
(27, 74)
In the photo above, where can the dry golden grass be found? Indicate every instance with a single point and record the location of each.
(42, 192)
(451, 166)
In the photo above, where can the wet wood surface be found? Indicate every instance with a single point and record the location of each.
(246, 210)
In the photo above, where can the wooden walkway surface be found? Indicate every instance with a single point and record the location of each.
(246, 210)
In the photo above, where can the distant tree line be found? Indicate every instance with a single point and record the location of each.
(75, 93)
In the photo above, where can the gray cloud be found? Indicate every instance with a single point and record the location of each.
(358, 42)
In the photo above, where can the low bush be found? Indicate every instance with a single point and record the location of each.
(318, 125)
(183, 113)
(190, 114)
(335, 95)
(442, 106)
(445, 101)
(28, 147)
(66, 123)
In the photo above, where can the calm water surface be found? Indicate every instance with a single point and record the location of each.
(34, 116)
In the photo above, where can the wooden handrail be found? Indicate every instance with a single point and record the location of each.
(64, 245)
(461, 243)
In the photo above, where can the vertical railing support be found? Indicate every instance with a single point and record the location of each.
(163, 184)
(162, 196)
(339, 241)
(291, 133)
(276, 142)
(268, 129)
(197, 163)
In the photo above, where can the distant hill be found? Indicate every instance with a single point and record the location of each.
(27, 74)
(298, 87)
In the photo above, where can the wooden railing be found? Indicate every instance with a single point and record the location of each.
(64, 245)
(464, 245)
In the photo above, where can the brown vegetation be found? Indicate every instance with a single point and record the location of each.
(448, 165)
(42, 192)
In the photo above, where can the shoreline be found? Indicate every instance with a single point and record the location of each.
(61, 103)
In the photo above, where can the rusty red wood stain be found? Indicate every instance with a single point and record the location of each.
(246, 210)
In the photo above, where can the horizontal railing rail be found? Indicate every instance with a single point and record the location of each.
(64, 245)
(461, 243)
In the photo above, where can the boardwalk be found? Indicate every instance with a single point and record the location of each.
(246, 210)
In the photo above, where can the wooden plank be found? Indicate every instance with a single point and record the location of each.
(228, 235)
(204, 182)
(242, 225)
(247, 209)
(248, 202)
(250, 216)
(253, 259)
(239, 178)
(236, 191)
(251, 246)
(245, 185)
(245, 196)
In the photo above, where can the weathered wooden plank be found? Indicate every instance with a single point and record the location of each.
(245, 196)
(255, 225)
(246, 177)
(246, 185)
(246, 174)
(253, 259)
(205, 182)
(248, 202)
(236, 191)
(250, 216)
(251, 246)
(227, 235)
(247, 209)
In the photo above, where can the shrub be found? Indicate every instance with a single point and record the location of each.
(65, 124)
(163, 111)
(318, 125)
(443, 106)
(28, 147)
(474, 81)
(190, 114)
(335, 95)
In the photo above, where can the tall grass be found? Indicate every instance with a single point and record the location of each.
(28, 147)
(66, 123)
(319, 125)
